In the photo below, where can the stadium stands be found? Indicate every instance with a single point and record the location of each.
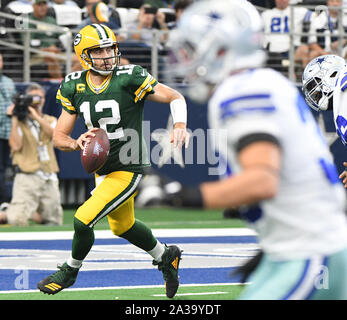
(19, 59)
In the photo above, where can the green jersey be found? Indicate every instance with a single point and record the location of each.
(44, 38)
(115, 106)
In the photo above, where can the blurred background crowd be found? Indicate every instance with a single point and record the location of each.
(36, 45)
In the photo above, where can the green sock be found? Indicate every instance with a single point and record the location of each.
(83, 240)
(141, 236)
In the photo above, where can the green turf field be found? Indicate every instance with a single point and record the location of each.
(153, 217)
(156, 218)
(213, 292)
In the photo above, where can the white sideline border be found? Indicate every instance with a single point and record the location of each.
(107, 234)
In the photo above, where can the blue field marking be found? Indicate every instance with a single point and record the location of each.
(66, 244)
(115, 278)
(139, 272)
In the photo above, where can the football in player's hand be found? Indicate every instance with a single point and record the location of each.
(94, 154)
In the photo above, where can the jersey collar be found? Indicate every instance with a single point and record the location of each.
(102, 87)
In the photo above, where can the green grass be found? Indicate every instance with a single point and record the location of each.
(220, 292)
(153, 217)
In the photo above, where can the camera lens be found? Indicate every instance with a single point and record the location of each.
(36, 99)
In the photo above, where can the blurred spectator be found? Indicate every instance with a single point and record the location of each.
(46, 40)
(7, 90)
(14, 57)
(35, 190)
(3, 4)
(264, 3)
(129, 3)
(277, 22)
(327, 28)
(159, 3)
(66, 12)
(75, 63)
(46, 37)
(19, 7)
(180, 6)
(99, 12)
(139, 49)
(149, 18)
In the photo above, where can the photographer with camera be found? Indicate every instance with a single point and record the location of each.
(149, 18)
(35, 193)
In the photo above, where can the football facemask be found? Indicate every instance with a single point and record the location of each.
(319, 81)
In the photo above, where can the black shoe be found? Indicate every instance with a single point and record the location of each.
(64, 278)
(169, 267)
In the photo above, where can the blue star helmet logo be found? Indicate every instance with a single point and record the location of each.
(320, 60)
(214, 16)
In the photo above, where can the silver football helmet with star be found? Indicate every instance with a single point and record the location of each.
(319, 81)
(213, 39)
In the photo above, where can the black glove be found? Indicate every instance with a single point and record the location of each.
(189, 197)
(232, 213)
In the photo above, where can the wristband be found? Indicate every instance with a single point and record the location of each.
(178, 108)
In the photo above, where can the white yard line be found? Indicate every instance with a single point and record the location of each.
(107, 234)
(191, 294)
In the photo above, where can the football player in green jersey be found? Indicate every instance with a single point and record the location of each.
(111, 97)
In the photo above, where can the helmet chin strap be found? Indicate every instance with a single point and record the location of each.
(103, 72)
(323, 103)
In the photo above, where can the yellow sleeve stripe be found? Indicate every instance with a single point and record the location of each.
(71, 108)
(60, 97)
(145, 87)
(148, 90)
(144, 83)
(65, 102)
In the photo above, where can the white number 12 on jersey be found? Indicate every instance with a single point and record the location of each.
(100, 106)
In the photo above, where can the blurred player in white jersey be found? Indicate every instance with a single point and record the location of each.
(284, 180)
(324, 86)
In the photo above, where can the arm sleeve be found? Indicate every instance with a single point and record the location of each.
(142, 83)
(65, 98)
